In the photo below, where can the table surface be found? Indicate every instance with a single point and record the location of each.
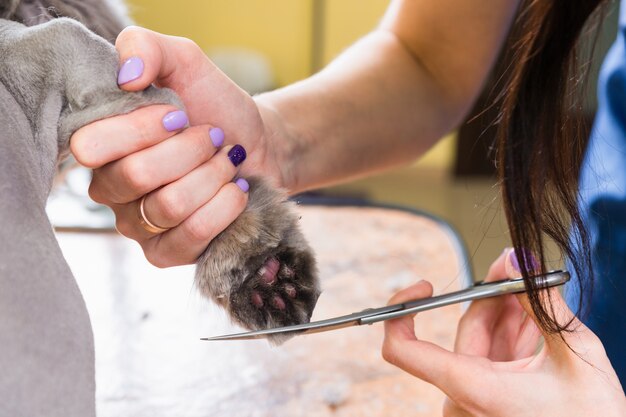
(147, 324)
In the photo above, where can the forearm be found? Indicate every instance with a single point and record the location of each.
(385, 100)
(347, 121)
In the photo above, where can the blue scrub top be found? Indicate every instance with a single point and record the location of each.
(603, 206)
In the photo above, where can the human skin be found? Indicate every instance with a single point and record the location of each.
(380, 104)
(497, 369)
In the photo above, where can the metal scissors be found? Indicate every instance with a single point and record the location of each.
(374, 315)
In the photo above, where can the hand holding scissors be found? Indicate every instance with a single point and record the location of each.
(497, 369)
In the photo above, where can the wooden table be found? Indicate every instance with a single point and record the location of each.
(147, 324)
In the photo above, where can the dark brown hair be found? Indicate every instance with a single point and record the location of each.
(541, 141)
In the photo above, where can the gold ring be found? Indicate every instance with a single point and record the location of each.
(147, 224)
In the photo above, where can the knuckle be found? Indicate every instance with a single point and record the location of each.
(123, 227)
(134, 174)
(156, 258)
(131, 34)
(170, 205)
(198, 229)
(223, 169)
(239, 198)
(142, 129)
(389, 352)
(80, 147)
(188, 46)
(96, 194)
(201, 143)
(189, 53)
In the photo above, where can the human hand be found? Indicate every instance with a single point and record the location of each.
(495, 369)
(185, 174)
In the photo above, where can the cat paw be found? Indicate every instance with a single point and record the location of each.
(282, 292)
(261, 269)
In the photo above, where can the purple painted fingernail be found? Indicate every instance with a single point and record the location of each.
(217, 136)
(243, 184)
(175, 120)
(237, 155)
(130, 70)
(529, 260)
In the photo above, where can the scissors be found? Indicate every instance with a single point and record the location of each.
(374, 315)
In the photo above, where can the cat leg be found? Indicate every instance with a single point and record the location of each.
(261, 269)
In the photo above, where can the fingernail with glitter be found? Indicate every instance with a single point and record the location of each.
(217, 136)
(529, 260)
(237, 155)
(175, 120)
(243, 184)
(130, 70)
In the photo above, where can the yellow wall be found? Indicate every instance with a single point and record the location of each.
(280, 29)
(348, 20)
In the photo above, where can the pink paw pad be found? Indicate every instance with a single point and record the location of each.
(269, 270)
(279, 303)
(256, 299)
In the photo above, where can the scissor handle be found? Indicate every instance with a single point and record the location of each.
(475, 292)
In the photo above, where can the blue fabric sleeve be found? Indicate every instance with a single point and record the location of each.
(603, 207)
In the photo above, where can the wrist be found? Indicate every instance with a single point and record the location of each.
(281, 142)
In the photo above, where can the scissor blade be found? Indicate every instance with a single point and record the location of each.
(353, 319)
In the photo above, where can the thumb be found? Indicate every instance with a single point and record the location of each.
(148, 57)
(210, 97)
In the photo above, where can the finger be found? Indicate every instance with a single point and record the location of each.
(128, 222)
(452, 373)
(422, 289)
(209, 95)
(400, 341)
(512, 264)
(144, 58)
(107, 140)
(497, 271)
(528, 338)
(556, 307)
(186, 242)
(170, 205)
(129, 178)
(148, 57)
(475, 330)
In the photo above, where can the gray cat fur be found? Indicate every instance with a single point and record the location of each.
(56, 77)
(72, 84)
(75, 82)
(107, 18)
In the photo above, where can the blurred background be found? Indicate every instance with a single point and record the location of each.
(265, 44)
